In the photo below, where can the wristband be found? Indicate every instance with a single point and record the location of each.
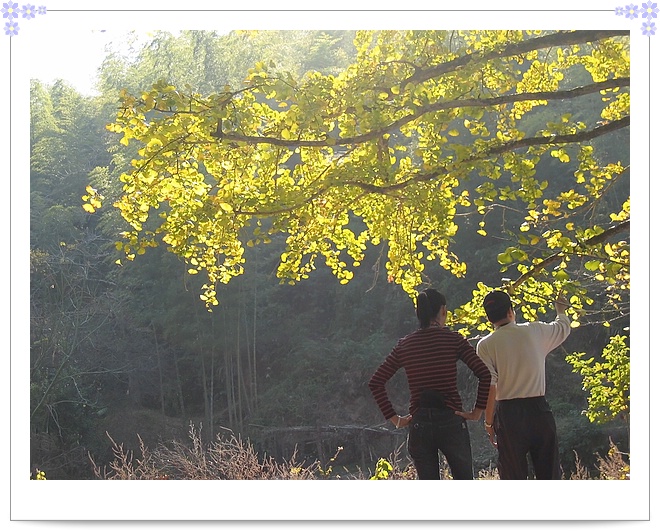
(488, 425)
(398, 421)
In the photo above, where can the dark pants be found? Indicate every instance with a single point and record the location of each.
(433, 430)
(526, 426)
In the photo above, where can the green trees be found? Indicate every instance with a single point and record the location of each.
(466, 160)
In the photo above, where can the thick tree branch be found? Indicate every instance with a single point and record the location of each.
(420, 75)
(535, 96)
(440, 106)
(563, 38)
(394, 188)
(582, 136)
(573, 138)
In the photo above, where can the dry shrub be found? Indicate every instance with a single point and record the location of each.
(488, 474)
(234, 458)
(615, 465)
(230, 458)
(581, 471)
(124, 466)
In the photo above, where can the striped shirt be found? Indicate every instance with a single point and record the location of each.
(429, 357)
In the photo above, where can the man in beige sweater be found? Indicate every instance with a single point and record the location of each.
(518, 418)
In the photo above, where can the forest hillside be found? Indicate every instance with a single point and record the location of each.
(225, 241)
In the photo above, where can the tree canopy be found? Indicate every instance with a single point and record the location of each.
(424, 132)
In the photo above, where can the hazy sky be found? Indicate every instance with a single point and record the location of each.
(74, 56)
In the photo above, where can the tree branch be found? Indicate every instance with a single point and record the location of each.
(499, 149)
(594, 240)
(563, 38)
(583, 136)
(440, 106)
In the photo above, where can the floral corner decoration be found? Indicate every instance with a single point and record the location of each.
(647, 11)
(11, 11)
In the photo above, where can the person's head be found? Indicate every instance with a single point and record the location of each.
(497, 305)
(429, 304)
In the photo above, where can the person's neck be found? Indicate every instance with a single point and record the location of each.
(502, 323)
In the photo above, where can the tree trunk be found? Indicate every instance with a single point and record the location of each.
(179, 389)
(160, 371)
(229, 377)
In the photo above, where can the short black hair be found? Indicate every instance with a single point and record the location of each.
(497, 304)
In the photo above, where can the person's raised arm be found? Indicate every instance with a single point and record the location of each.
(561, 304)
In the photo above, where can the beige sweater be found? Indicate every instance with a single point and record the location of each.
(515, 354)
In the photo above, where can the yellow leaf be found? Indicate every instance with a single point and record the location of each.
(89, 208)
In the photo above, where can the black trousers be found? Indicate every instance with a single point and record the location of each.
(433, 430)
(526, 426)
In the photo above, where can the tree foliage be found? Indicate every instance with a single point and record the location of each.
(424, 130)
(607, 382)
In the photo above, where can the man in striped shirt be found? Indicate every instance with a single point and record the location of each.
(429, 356)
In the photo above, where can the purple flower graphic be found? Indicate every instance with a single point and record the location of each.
(649, 10)
(648, 28)
(618, 11)
(632, 11)
(10, 10)
(11, 28)
(28, 11)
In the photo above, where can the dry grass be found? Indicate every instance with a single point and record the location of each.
(234, 458)
(231, 458)
(615, 466)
